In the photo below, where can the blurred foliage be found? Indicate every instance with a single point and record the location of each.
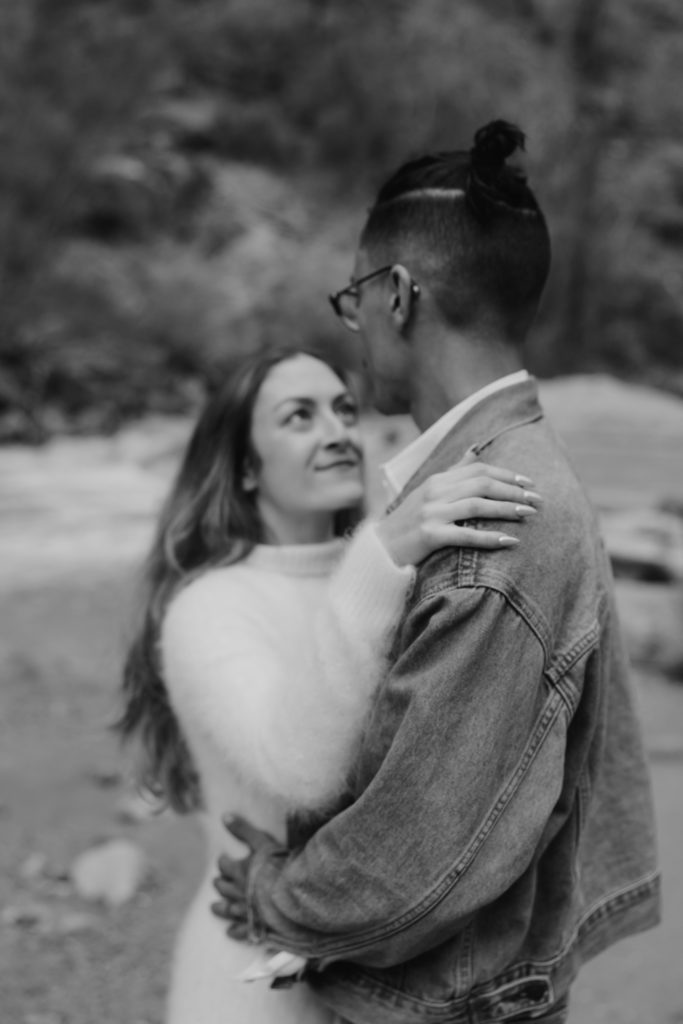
(181, 181)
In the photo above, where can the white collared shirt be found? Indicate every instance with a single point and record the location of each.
(398, 471)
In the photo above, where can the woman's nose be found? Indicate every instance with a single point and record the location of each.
(335, 431)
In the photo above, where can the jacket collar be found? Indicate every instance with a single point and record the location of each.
(504, 410)
(398, 471)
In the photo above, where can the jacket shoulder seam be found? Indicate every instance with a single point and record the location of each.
(524, 609)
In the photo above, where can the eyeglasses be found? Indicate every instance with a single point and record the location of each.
(345, 302)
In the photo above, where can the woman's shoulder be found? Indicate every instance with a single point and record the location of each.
(210, 617)
(218, 602)
(212, 591)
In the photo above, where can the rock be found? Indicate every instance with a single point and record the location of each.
(56, 888)
(47, 920)
(33, 916)
(624, 439)
(73, 922)
(110, 873)
(33, 867)
(667, 747)
(645, 544)
(651, 615)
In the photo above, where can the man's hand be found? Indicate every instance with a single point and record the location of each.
(231, 883)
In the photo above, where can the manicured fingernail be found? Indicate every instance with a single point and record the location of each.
(532, 496)
(524, 481)
(506, 541)
(526, 510)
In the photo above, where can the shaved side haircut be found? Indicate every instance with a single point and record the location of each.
(471, 228)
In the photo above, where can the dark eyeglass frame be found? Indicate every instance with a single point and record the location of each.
(353, 289)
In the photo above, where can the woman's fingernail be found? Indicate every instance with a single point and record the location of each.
(524, 481)
(532, 496)
(506, 541)
(526, 510)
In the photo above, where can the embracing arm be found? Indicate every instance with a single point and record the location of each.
(227, 670)
(462, 793)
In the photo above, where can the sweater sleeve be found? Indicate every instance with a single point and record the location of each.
(285, 715)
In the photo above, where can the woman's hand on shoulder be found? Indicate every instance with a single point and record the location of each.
(431, 516)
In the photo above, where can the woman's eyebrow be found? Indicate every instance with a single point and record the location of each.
(303, 400)
(309, 401)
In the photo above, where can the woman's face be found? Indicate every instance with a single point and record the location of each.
(304, 431)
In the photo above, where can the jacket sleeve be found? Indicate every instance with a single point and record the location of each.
(470, 765)
(284, 714)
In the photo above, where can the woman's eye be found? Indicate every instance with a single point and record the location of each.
(298, 416)
(349, 412)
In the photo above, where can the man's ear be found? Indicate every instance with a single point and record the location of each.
(401, 296)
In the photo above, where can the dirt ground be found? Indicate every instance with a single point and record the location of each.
(63, 777)
(65, 961)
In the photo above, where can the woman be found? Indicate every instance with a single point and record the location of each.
(265, 630)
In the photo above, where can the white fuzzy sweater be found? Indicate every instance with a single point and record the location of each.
(273, 660)
(271, 665)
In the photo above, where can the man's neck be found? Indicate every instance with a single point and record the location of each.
(449, 371)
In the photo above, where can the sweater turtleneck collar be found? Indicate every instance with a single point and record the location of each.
(297, 559)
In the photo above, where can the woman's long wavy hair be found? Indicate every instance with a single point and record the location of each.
(207, 520)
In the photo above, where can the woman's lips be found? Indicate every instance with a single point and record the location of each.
(340, 464)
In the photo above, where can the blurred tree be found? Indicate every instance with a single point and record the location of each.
(589, 73)
(73, 80)
(146, 142)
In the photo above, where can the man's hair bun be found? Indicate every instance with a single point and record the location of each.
(495, 142)
(491, 183)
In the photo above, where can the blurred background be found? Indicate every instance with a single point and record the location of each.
(181, 182)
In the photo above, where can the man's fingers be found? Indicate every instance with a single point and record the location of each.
(247, 833)
(230, 868)
(239, 931)
(220, 909)
(239, 827)
(222, 886)
(226, 911)
(228, 889)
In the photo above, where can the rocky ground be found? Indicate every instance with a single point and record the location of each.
(90, 887)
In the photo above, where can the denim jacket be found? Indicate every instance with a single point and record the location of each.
(499, 830)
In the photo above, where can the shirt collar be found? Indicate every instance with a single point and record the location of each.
(398, 471)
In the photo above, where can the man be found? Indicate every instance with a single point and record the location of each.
(499, 830)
